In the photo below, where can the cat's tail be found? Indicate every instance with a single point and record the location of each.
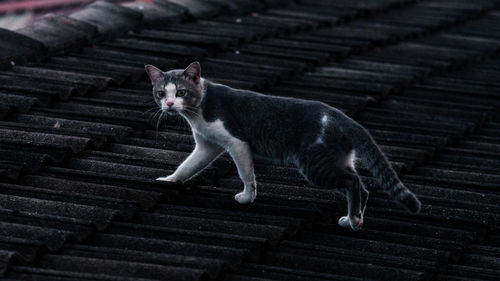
(376, 162)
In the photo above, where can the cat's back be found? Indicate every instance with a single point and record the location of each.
(246, 114)
(222, 99)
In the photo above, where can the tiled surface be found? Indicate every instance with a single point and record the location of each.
(81, 145)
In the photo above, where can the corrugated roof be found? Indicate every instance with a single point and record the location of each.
(80, 150)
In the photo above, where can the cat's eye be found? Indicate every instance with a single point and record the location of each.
(160, 94)
(180, 93)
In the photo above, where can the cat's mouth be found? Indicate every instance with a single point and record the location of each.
(171, 112)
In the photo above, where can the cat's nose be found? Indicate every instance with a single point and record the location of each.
(170, 103)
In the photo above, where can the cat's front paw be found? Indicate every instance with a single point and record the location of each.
(170, 178)
(356, 223)
(245, 197)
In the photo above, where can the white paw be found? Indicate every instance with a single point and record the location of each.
(355, 223)
(245, 197)
(170, 178)
(344, 222)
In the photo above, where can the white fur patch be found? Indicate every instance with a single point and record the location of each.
(170, 89)
(319, 140)
(324, 119)
(324, 122)
(214, 131)
(170, 96)
(351, 160)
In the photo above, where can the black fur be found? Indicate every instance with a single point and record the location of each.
(288, 129)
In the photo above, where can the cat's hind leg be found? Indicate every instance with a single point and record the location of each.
(325, 166)
(357, 197)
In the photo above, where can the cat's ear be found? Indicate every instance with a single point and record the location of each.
(193, 72)
(154, 73)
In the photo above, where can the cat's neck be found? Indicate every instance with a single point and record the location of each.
(194, 114)
(203, 86)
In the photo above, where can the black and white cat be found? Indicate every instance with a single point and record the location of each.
(321, 141)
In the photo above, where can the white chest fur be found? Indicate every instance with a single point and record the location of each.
(213, 132)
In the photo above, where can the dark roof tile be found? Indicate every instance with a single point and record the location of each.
(282, 24)
(171, 50)
(211, 198)
(126, 57)
(21, 103)
(375, 246)
(218, 42)
(291, 224)
(99, 82)
(337, 268)
(37, 86)
(254, 244)
(258, 272)
(198, 8)
(29, 160)
(301, 15)
(241, 6)
(157, 13)
(60, 33)
(51, 206)
(20, 137)
(53, 239)
(354, 255)
(276, 3)
(209, 28)
(5, 259)
(71, 126)
(79, 228)
(27, 250)
(81, 87)
(168, 190)
(233, 256)
(110, 19)
(115, 168)
(310, 56)
(85, 112)
(120, 268)
(145, 199)
(87, 65)
(17, 48)
(24, 272)
(5, 109)
(10, 170)
(213, 225)
(213, 266)
(126, 208)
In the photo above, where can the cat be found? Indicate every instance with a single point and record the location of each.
(321, 141)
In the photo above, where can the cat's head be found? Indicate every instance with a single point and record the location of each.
(178, 90)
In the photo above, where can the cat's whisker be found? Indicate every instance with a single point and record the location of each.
(157, 127)
(186, 125)
(189, 110)
(174, 118)
(149, 110)
(178, 121)
(153, 116)
(158, 113)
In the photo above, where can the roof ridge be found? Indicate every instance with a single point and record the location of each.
(103, 20)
